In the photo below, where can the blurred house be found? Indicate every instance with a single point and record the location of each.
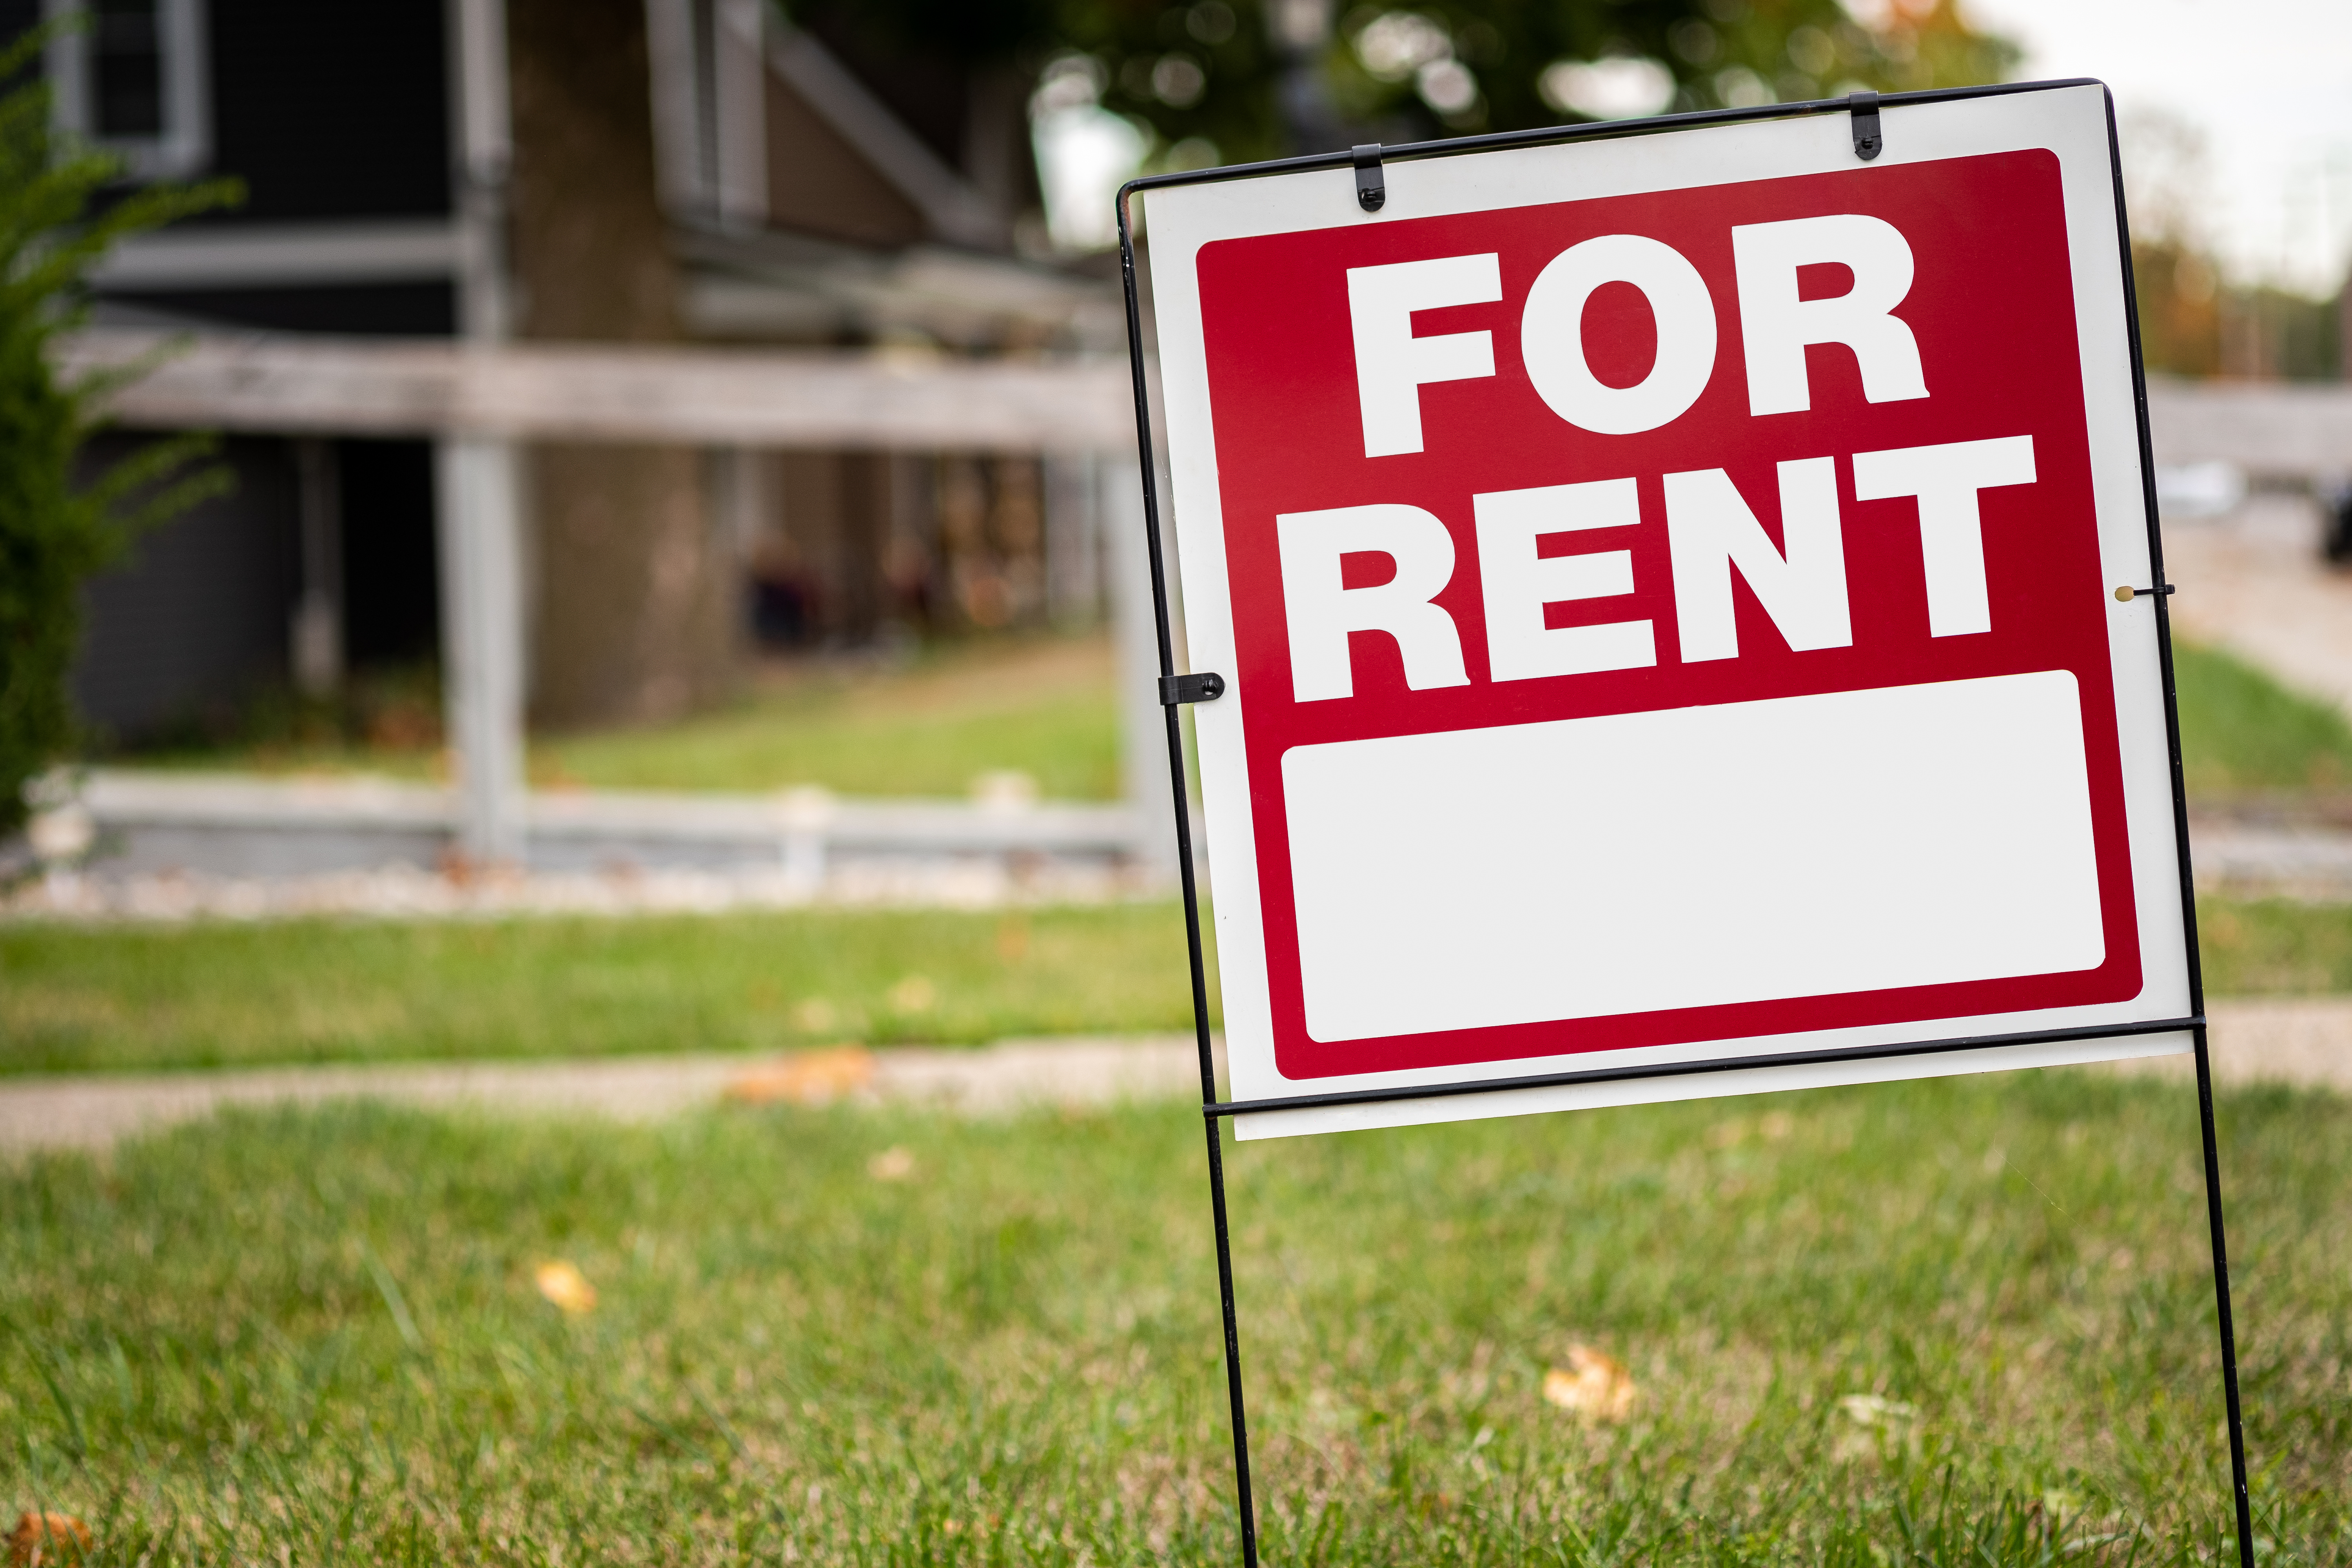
(610, 170)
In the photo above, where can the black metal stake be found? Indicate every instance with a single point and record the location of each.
(2160, 595)
(1233, 1343)
(2221, 1304)
(1172, 694)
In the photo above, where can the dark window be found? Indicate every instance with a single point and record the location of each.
(391, 590)
(126, 68)
(368, 310)
(18, 18)
(330, 108)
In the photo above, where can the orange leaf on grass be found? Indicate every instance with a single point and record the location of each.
(810, 1078)
(1592, 1386)
(565, 1286)
(41, 1539)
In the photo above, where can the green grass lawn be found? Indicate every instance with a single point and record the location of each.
(2243, 733)
(220, 994)
(2275, 947)
(1039, 705)
(1960, 1323)
(217, 993)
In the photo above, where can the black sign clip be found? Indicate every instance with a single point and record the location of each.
(1371, 187)
(1179, 688)
(1867, 142)
(2127, 593)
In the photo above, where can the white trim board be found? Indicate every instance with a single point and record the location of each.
(271, 255)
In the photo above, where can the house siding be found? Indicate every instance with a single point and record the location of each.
(195, 616)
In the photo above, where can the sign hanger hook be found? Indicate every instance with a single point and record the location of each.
(1868, 142)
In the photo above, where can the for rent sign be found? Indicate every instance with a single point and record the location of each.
(1668, 593)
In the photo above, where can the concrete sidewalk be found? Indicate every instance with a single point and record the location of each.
(2289, 1040)
(2302, 1041)
(92, 1110)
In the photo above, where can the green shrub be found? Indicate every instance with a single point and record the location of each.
(59, 214)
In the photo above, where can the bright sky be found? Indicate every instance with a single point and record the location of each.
(2269, 82)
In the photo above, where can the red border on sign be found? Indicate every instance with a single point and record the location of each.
(1992, 309)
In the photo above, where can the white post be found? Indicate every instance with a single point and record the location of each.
(478, 523)
(481, 124)
(481, 641)
(1135, 641)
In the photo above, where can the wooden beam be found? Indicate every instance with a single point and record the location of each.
(698, 397)
(750, 397)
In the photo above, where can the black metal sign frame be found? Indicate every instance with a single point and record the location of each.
(1176, 690)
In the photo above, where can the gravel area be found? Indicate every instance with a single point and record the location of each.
(412, 892)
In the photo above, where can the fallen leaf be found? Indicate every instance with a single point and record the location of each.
(565, 1286)
(913, 994)
(1594, 1385)
(895, 1163)
(1012, 938)
(48, 1538)
(810, 1078)
(1877, 1410)
(1878, 1423)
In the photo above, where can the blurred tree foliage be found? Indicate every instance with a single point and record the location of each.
(2192, 320)
(2193, 323)
(1239, 79)
(2179, 307)
(59, 214)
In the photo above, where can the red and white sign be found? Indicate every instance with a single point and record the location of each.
(1666, 587)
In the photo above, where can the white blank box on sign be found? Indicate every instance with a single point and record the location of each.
(1794, 847)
